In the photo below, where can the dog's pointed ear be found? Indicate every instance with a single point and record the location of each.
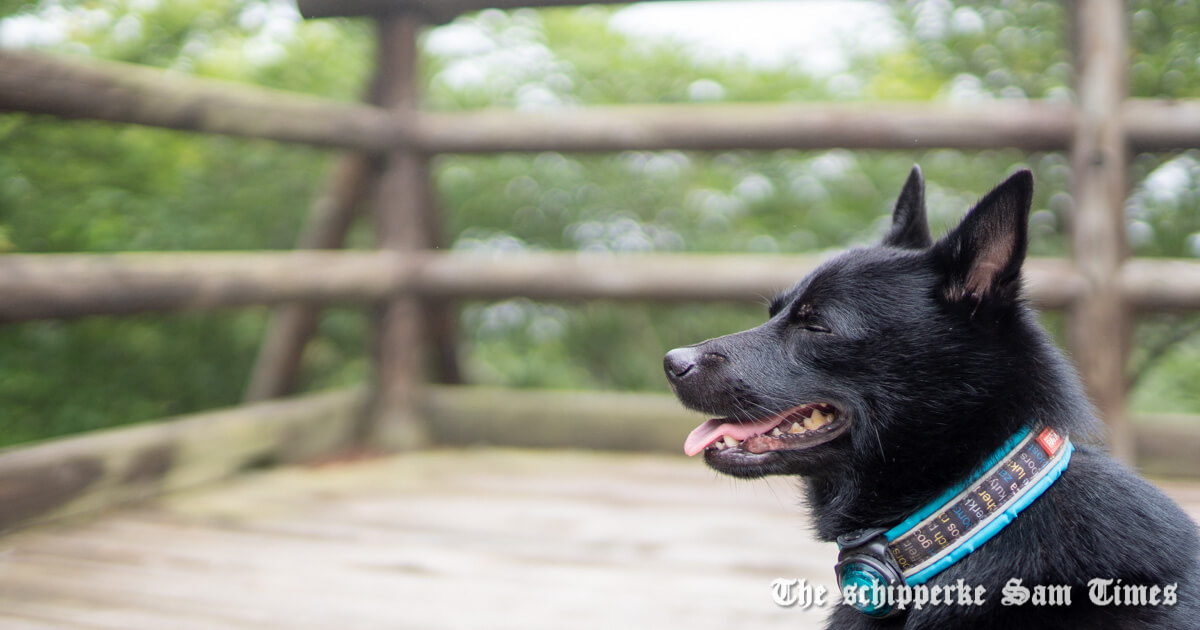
(982, 256)
(910, 228)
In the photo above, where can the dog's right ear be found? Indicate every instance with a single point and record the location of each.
(982, 257)
(910, 228)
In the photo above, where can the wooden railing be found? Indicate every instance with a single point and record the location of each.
(388, 142)
(125, 93)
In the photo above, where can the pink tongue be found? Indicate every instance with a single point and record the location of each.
(708, 432)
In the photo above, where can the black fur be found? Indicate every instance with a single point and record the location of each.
(930, 351)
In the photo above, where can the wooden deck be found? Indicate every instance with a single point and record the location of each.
(483, 538)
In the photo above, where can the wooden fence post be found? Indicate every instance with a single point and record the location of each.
(277, 366)
(400, 215)
(1101, 322)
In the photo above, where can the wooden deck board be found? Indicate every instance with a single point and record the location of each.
(486, 538)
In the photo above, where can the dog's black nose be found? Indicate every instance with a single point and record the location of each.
(680, 361)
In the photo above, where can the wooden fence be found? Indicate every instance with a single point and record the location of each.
(388, 142)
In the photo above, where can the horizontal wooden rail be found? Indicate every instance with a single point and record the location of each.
(1030, 126)
(74, 285)
(1150, 284)
(40, 286)
(495, 416)
(77, 474)
(473, 416)
(74, 475)
(79, 87)
(1156, 125)
(116, 92)
(675, 277)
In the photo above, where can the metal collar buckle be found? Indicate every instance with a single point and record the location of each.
(866, 565)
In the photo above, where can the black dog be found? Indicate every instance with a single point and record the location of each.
(896, 373)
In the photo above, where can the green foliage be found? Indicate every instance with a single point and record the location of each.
(1166, 36)
(1010, 50)
(91, 187)
(76, 186)
(1171, 345)
(66, 377)
(131, 188)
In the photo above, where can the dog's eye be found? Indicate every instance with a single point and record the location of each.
(805, 316)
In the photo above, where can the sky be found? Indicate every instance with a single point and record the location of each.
(767, 33)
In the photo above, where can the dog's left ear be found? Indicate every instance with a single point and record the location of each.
(910, 228)
(982, 257)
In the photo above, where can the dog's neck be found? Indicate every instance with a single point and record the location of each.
(846, 501)
(951, 527)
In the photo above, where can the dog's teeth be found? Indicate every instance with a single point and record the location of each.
(816, 420)
(730, 441)
(795, 428)
(775, 432)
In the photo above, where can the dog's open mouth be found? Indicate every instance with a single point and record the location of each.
(798, 428)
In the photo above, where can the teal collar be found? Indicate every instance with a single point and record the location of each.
(956, 523)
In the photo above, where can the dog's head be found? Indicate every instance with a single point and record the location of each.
(879, 355)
